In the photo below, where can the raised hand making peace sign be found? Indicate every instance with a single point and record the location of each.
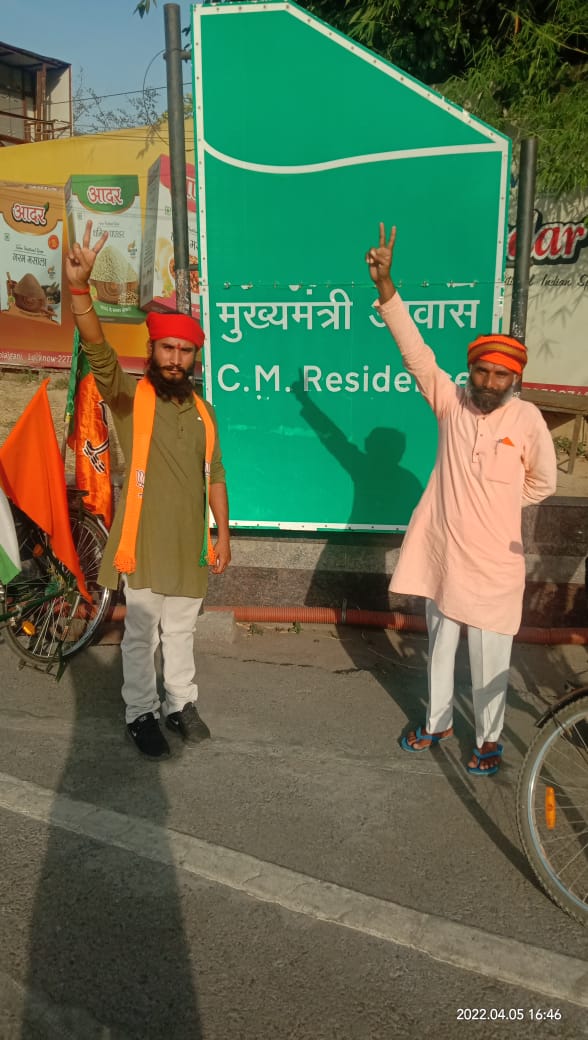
(379, 261)
(80, 259)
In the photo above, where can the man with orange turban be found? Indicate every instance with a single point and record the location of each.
(160, 537)
(463, 548)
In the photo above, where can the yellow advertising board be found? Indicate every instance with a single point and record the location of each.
(46, 344)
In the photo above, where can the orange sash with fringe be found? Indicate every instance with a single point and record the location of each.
(143, 418)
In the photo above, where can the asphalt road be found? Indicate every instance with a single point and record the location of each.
(300, 876)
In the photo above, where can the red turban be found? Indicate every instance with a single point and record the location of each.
(499, 350)
(178, 326)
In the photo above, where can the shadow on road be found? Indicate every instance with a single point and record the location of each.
(380, 482)
(107, 943)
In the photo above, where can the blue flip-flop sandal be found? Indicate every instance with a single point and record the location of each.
(419, 735)
(476, 771)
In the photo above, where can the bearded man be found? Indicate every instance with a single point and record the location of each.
(160, 537)
(463, 548)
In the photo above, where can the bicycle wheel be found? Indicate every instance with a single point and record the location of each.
(51, 620)
(89, 539)
(552, 807)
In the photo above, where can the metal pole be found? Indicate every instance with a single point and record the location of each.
(524, 226)
(174, 55)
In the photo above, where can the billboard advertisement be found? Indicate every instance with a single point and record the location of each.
(40, 333)
(557, 316)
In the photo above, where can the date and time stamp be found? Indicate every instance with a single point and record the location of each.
(510, 1014)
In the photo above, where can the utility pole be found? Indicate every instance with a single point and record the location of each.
(174, 55)
(524, 226)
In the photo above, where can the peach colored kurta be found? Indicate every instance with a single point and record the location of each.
(463, 546)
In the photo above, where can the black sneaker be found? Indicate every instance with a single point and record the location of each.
(188, 725)
(147, 737)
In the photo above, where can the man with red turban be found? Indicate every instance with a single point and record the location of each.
(463, 548)
(160, 537)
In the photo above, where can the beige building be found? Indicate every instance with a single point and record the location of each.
(35, 97)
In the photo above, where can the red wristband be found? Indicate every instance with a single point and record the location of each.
(79, 292)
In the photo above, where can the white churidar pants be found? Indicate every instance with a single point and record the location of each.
(489, 666)
(150, 619)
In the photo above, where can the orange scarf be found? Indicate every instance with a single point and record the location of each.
(143, 417)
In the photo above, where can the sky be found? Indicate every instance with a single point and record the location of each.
(104, 38)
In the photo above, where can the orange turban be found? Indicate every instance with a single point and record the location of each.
(499, 350)
(180, 326)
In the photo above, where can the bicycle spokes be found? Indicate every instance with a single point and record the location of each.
(46, 618)
(552, 806)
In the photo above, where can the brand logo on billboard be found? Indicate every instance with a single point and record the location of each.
(105, 196)
(26, 214)
(554, 242)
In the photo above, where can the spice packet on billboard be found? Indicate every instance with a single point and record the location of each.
(31, 249)
(113, 204)
(158, 286)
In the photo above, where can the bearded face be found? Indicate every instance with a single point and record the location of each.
(487, 400)
(170, 367)
(490, 386)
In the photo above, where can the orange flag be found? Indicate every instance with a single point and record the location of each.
(88, 436)
(33, 476)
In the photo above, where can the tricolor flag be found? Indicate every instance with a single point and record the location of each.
(9, 556)
(33, 476)
(85, 417)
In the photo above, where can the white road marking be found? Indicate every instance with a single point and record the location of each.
(551, 974)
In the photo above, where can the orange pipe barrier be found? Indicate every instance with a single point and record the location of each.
(396, 620)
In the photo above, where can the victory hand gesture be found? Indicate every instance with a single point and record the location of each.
(379, 259)
(80, 259)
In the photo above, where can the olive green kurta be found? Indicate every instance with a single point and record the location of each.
(169, 539)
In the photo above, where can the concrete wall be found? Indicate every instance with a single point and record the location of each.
(284, 569)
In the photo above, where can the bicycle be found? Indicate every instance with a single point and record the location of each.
(44, 617)
(552, 803)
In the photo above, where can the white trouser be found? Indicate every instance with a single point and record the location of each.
(489, 666)
(151, 619)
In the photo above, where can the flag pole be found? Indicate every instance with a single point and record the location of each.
(71, 392)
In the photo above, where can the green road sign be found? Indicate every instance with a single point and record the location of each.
(305, 141)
